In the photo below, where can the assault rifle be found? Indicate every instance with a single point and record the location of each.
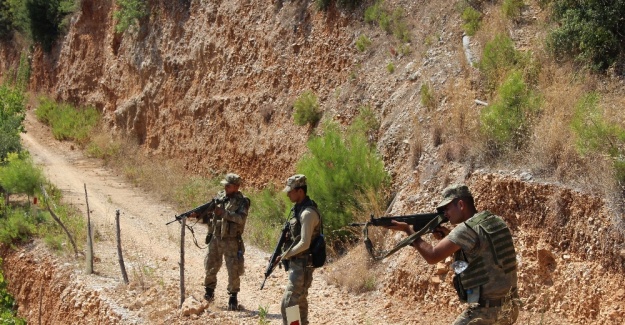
(208, 206)
(276, 253)
(422, 223)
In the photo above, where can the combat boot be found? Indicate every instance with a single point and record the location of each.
(233, 303)
(210, 294)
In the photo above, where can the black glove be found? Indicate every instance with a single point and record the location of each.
(208, 238)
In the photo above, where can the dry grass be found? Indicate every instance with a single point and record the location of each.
(164, 177)
(355, 271)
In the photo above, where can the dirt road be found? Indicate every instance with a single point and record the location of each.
(151, 252)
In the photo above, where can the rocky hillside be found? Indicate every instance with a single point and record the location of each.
(212, 83)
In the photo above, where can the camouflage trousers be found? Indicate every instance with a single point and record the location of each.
(300, 279)
(477, 315)
(232, 251)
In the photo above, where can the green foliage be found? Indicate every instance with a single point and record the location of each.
(340, 170)
(498, 59)
(362, 43)
(390, 22)
(7, 304)
(47, 19)
(427, 96)
(390, 67)
(270, 209)
(594, 134)
(472, 19)
(68, 122)
(12, 115)
(590, 31)
(512, 8)
(130, 11)
(307, 109)
(18, 226)
(506, 122)
(18, 174)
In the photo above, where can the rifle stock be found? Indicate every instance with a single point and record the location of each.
(276, 253)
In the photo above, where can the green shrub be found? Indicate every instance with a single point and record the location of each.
(590, 32)
(18, 174)
(594, 134)
(362, 43)
(390, 22)
(68, 122)
(270, 208)
(498, 59)
(427, 96)
(341, 170)
(512, 8)
(17, 227)
(307, 109)
(390, 67)
(506, 121)
(472, 19)
(130, 11)
(12, 115)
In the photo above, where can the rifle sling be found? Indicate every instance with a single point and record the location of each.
(405, 242)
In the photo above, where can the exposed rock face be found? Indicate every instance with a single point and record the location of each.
(209, 81)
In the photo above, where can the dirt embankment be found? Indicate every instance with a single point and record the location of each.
(568, 243)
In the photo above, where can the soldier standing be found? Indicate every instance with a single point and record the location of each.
(484, 258)
(304, 228)
(226, 222)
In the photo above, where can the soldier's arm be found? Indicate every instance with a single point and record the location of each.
(237, 216)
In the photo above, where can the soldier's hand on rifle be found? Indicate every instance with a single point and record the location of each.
(440, 232)
(399, 226)
(193, 215)
(219, 211)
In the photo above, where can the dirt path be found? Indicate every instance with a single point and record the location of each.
(151, 253)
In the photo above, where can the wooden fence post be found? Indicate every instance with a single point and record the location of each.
(182, 231)
(89, 255)
(119, 248)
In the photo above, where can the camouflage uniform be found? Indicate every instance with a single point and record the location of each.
(224, 240)
(490, 280)
(300, 265)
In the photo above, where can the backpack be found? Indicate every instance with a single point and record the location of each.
(318, 248)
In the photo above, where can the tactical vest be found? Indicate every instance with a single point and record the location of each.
(222, 228)
(493, 230)
(295, 228)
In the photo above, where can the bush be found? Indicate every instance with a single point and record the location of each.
(590, 32)
(512, 8)
(390, 22)
(472, 19)
(341, 170)
(390, 67)
(362, 43)
(130, 11)
(307, 109)
(596, 135)
(17, 227)
(498, 59)
(507, 121)
(270, 208)
(68, 122)
(18, 174)
(12, 115)
(427, 96)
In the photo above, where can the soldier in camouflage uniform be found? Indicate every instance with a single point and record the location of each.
(484, 258)
(226, 222)
(304, 228)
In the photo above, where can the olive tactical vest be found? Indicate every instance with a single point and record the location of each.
(296, 225)
(222, 228)
(482, 269)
